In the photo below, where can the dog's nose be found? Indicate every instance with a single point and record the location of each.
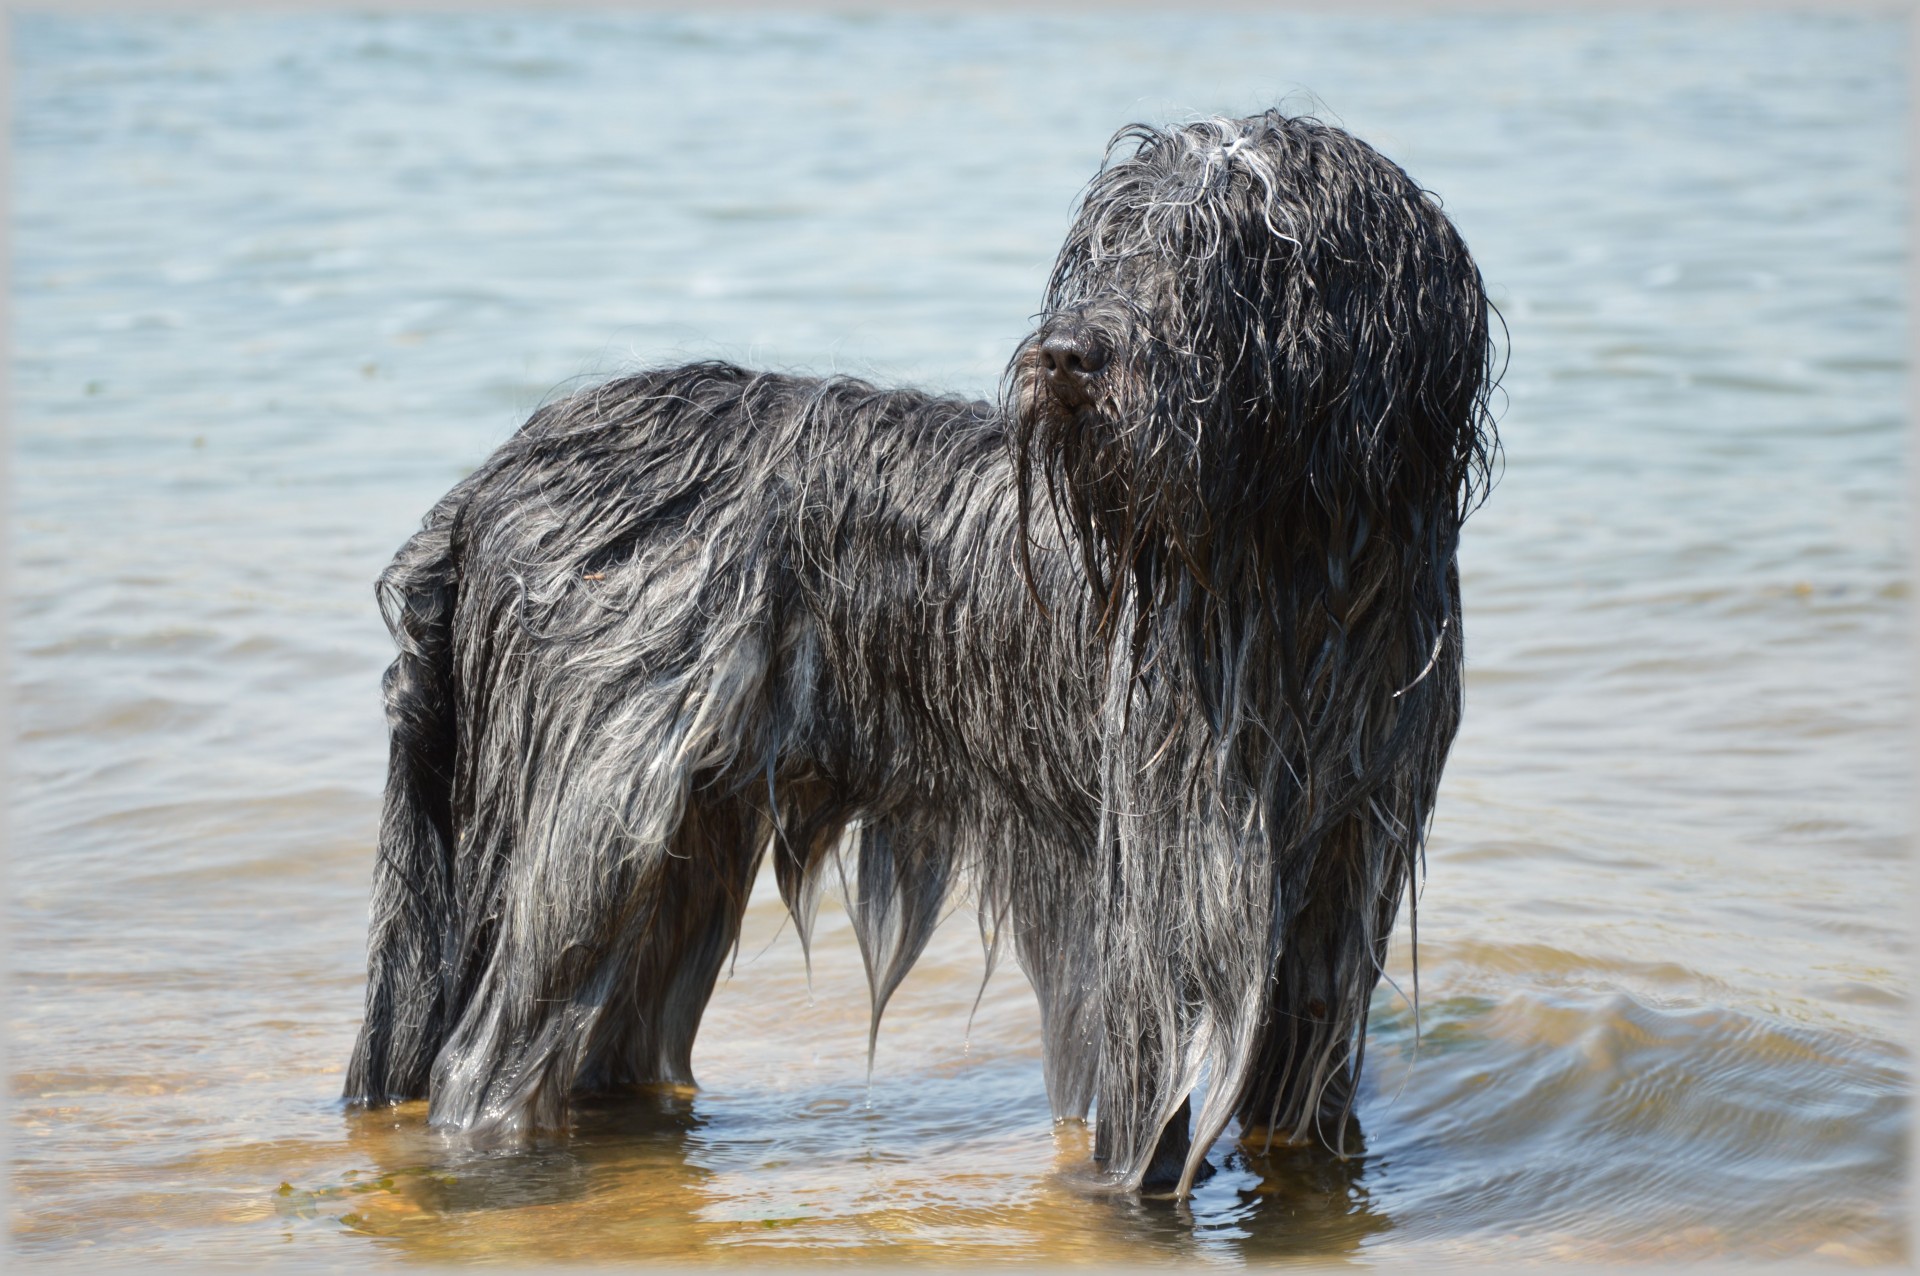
(1070, 358)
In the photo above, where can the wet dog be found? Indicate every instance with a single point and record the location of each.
(1160, 656)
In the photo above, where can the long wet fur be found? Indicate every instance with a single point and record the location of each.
(1165, 670)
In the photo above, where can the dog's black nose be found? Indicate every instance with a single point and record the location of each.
(1070, 358)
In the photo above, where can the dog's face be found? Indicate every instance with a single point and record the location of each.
(1240, 307)
(1163, 278)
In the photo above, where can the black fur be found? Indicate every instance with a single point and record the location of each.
(1161, 657)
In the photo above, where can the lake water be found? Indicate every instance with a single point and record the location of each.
(278, 282)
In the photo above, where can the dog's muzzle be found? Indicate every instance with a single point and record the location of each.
(1070, 358)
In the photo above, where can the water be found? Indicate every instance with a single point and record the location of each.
(278, 282)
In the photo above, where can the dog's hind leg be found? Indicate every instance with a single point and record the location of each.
(646, 1032)
(416, 921)
(604, 962)
(625, 871)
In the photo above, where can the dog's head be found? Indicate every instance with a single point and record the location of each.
(1253, 321)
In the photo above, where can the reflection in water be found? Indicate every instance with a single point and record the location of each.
(646, 1131)
(278, 281)
(632, 1175)
(429, 1193)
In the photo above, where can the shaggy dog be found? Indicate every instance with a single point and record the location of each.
(1160, 657)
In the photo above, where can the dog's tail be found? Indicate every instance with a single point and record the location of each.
(414, 924)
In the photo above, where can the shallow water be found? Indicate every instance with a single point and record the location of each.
(277, 283)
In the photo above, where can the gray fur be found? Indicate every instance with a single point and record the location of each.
(1165, 668)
